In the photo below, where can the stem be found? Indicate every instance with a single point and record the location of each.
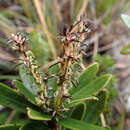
(64, 78)
(53, 125)
(30, 64)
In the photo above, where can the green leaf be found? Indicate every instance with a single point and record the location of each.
(28, 94)
(93, 87)
(78, 125)
(9, 127)
(94, 108)
(52, 82)
(126, 19)
(3, 116)
(35, 115)
(41, 50)
(78, 109)
(34, 126)
(125, 50)
(10, 98)
(86, 76)
(18, 118)
(9, 77)
(28, 80)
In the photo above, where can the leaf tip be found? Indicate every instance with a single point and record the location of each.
(95, 63)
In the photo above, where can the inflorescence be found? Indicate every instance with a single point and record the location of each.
(72, 38)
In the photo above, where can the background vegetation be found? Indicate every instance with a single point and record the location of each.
(41, 21)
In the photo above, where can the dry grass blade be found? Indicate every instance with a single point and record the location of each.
(38, 4)
(11, 116)
(82, 9)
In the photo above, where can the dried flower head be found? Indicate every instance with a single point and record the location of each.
(77, 32)
(17, 40)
